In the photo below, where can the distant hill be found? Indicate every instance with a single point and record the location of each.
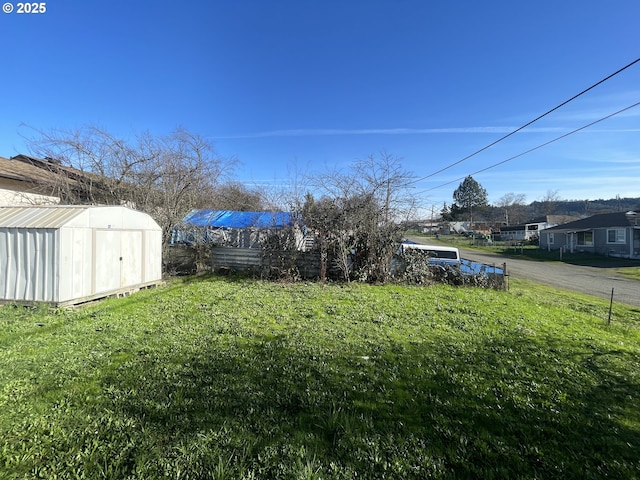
(587, 207)
(535, 210)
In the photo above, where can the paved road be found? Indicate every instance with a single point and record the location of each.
(591, 280)
(596, 281)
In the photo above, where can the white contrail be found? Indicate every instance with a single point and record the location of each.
(378, 131)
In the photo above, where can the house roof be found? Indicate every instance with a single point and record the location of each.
(36, 171)
(603, 220)
(512, 228)
(548, 219)
(16, 169)
(49, 177)
(233, 219)
(561, 219)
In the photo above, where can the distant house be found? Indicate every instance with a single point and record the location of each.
(530, 230)
(518, 233)
(612, 234)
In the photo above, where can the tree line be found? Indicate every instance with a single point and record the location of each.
(356, 215)
(359, 209)
(471, 204)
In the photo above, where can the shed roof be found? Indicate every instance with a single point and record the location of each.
(59, 216)
(38, 217)
(233, 219)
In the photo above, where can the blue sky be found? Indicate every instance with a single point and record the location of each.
(318, 85)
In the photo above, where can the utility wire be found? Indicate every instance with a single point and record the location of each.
(529, 123)
(536, 148)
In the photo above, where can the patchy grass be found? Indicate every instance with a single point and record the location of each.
(532, 252)
(630, 272)
(223, 378)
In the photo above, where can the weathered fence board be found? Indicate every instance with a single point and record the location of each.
(305, 265)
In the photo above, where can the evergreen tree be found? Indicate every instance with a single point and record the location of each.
(445, 213)
(469, 195)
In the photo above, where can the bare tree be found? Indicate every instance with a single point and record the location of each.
(360, 215)
(237, 196)
(512, 205)
(164, 176)
(549, 201)
(385, 178)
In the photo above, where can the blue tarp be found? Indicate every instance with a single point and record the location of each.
(232, 219)
(470, 267)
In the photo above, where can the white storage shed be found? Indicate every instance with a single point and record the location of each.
(64, 255)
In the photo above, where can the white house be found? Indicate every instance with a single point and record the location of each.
(530, 230)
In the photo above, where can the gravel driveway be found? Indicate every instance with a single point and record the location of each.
(596, 281)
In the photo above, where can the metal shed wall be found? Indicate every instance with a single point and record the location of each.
(28, 264)
(83, 253)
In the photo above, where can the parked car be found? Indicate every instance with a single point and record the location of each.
(438, 254)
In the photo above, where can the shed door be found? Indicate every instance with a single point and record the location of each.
(118, 259)
(131, 258)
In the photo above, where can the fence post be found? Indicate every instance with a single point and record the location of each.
(505, 277)
(610, 307)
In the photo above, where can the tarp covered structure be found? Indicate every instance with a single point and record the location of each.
(230, 228)
(233, 219)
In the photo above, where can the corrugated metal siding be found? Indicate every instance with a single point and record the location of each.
(251, 260)
(38, 217)
(152, 256)
(28, 264)
(236, 258)
(74, 263)
(65, 254)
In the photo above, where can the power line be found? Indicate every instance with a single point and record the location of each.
(529, 123)
(537, 147)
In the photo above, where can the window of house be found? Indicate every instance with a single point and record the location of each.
(550, 238)
(616, 235)
(585, 239)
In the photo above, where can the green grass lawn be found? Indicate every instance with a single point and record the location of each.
(232, 378)
(630, 272)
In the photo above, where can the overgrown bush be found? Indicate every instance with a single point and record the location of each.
(415, 268)
(279, 255)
